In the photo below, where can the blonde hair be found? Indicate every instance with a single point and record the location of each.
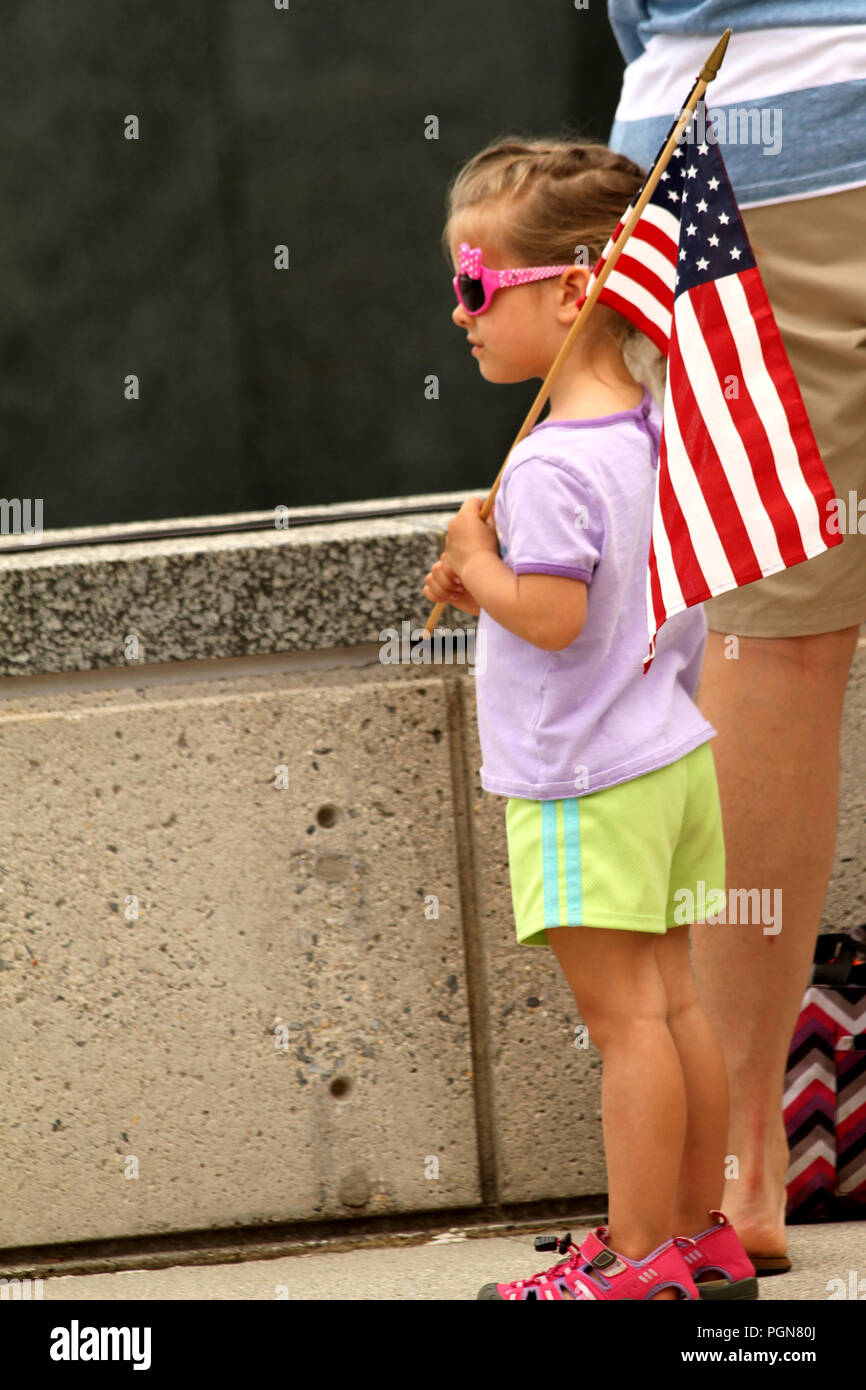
(554, 197)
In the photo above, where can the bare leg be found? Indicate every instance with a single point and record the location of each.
(701, 1174)
(615, 981)
(777, 710)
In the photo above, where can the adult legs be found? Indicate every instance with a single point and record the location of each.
(777, 710)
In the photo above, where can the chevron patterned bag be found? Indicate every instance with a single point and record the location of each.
(825, 1086)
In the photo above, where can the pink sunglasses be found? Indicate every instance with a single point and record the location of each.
(475, 285)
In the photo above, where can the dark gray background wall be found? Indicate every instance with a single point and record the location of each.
(155, 257)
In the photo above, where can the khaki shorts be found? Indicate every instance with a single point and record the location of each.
(811, 253)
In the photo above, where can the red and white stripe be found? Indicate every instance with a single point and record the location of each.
(741, 490)
(720, 521)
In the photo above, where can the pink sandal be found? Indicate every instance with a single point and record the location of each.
(719, 1250)
(594, 1271)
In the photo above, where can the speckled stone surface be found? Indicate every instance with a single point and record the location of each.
(282, 1032)
(300, 588)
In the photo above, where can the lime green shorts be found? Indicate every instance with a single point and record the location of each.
(644, 855)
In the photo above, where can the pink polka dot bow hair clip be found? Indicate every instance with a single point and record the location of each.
(475, 284)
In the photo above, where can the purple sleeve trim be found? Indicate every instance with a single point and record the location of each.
(568, 571)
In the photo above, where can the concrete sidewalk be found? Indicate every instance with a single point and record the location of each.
(451, 1265)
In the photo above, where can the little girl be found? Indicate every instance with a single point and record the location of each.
(612, 814)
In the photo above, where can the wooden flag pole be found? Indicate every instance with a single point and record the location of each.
(708, 72)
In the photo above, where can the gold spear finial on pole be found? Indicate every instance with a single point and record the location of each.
(714, 62)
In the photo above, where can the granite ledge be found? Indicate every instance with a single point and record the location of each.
(243, 593)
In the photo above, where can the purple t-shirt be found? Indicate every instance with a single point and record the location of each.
(576, 498)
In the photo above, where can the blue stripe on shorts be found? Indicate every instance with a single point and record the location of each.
(568, 838)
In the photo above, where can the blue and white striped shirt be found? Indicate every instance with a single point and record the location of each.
(788, 103)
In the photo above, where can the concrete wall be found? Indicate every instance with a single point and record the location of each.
(283, 1031)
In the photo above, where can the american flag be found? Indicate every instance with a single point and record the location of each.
(741, 491)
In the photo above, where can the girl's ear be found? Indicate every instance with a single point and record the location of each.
(573, 284)
(578, 275)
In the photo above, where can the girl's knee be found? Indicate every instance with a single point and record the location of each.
(613, 976)
(628, 1026)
